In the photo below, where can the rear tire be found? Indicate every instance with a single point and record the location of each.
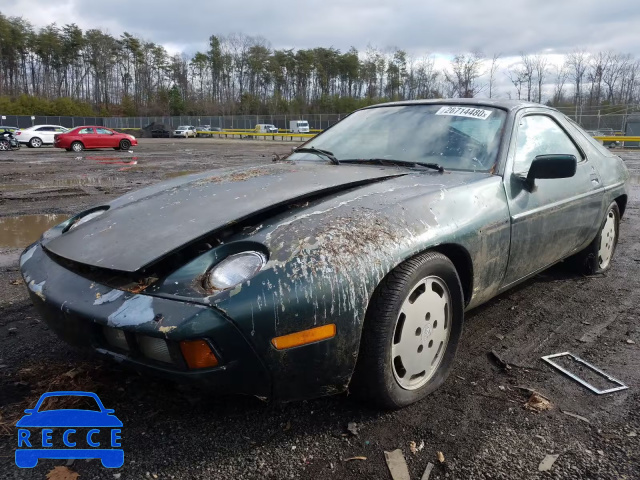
(411, 332)
(596, 258)
(125, 145)
(35, 142)
(77, 147)
(5, 146)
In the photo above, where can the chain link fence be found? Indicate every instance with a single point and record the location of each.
(244, 122)
(616, 123)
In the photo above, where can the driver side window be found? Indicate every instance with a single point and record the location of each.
(540, 135)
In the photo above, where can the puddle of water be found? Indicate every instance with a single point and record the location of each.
(20, 231)
(88, 181)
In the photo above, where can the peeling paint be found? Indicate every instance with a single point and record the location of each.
(37, 288)
(27, 255)
(108, 297)
(135, 311)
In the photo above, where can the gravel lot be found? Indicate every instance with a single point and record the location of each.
(477, 420)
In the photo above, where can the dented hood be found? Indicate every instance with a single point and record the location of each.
(143, 227)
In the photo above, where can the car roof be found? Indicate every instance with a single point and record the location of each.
(479, 102)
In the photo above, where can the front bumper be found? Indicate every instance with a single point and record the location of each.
(81, 311)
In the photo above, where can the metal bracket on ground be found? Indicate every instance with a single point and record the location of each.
(621, 386)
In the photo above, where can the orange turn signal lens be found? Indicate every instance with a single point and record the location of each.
(198, 354)
(304, 337)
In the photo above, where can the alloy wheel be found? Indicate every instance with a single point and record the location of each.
(607, 240)
(421, 333)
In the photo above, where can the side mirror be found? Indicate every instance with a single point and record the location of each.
(550, 166)
(29, 411)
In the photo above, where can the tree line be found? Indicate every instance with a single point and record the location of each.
(63, 70)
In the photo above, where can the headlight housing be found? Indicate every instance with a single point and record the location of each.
(234, 269)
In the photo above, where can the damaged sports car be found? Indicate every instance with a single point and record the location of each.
(347, 265)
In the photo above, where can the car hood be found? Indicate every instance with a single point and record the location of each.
(143, 227)
(69, 418)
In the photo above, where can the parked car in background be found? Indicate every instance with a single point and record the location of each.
(39, 135)
(81, 138)
(201, 131)
(8, 141)
(266, 128)
(160, 133)
(299, 126)
(185, 131)
(356, 258)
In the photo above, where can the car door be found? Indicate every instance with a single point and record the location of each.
(88, 137)
(106, 138)
(556, 217)
(45, 134)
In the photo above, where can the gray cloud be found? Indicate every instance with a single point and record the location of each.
(505, 26)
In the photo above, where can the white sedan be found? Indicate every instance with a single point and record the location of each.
(39, 135)
(185, 131)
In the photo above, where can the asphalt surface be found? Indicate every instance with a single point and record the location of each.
(477, 420)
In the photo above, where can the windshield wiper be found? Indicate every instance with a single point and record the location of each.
(408, 163)
(317, 151)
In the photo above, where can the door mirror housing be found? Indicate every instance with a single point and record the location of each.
(550, 167)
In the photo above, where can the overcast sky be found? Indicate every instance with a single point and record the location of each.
(418, 26)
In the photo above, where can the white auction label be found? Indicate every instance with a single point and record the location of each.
(479, 113)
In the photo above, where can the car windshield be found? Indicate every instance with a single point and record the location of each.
(182, 127)
(66, 402)
(457, 137)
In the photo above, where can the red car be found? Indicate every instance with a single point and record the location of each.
(93, 137)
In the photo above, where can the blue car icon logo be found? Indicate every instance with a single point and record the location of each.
(100, 424)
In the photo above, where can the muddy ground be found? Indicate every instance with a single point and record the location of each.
(477, 419)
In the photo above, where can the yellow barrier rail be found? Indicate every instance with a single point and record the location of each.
(618, 138)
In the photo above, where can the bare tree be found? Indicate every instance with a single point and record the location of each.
(561, 76)
(540, 64)
(577, 61)
(527, 71)
(466, 71)
(517, 77)
(492, 72)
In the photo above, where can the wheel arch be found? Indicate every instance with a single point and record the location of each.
(622, 204)
(463, 264)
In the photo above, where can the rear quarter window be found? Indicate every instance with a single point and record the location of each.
(582, 137)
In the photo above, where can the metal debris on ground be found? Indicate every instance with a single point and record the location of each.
(427, 471)
(354, 458)
(353, 428)
(498, 360)
(620, 385)
(547, 462)
(397, 465)
(574, 415)
(440, 457)
(538, 403)
(19, 281)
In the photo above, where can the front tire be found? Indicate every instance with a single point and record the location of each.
(411, 332)
(125, 145)
(35, 142)
(77, 147)
(5, 145)
(596, 258)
